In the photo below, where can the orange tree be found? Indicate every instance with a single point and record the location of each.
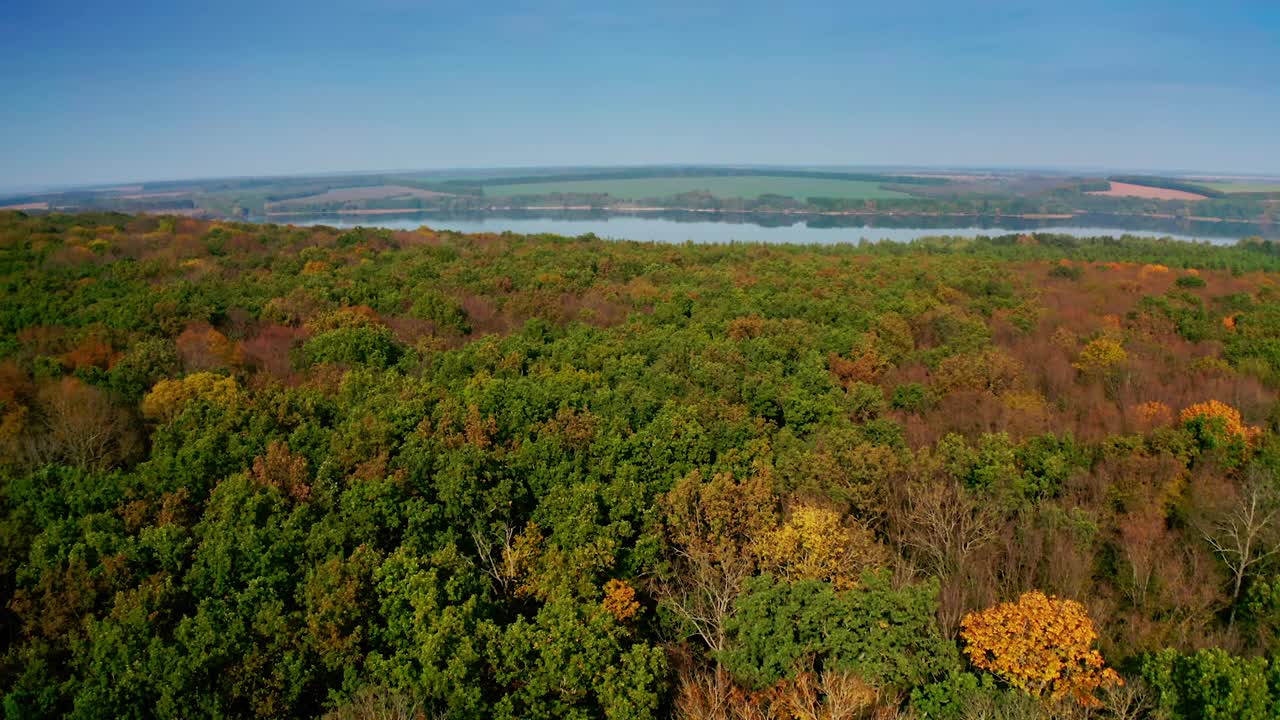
(1218, 426)
(1041, 645)
(1214, 417)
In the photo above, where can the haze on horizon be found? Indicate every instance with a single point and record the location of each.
(143, 90)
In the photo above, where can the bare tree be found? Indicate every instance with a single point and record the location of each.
(379, 703)
(79, 425)
(944, 525)
(505, 555)
(938, 527)
(707, 580)
(1244, 533)
(1144, 542)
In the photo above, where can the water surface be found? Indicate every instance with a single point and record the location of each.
(678, 227)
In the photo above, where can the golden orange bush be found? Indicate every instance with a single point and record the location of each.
(1041, 645)
(1230, 416)
(1154, 413)
(620, 600)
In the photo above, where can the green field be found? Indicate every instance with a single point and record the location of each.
(725, 187)
(1244, 187)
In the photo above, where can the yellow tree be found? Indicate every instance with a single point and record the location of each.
(168, 398)
(1101, 356)
(816, 544)
(1042, 645)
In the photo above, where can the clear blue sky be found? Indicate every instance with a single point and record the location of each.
(112, 91)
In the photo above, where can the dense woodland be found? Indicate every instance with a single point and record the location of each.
(266, 471)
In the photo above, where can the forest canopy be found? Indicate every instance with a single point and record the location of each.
(275, 471)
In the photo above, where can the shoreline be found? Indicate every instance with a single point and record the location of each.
(642, 210)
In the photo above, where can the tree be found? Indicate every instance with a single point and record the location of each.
(1216, 423)
(79, 425)
(373, 702)
(168, 398)
(817, 544)
(943, 525)
(1247, 531)
(372, 345)
(284, 470)
(711, 526)
(1104, 358)
(201, 347)
(1143, 543)
(940, 526)
(887, 636)
(1041, 645)
(620, 600)
(1211, 685)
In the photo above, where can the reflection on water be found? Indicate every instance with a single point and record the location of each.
(675, 227)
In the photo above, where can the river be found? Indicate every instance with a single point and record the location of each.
(703, 228)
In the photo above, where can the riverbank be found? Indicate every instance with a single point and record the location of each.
(629, 210)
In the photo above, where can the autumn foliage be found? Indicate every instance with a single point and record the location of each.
(1154, 413)
(620, 600)
(169, 397)
(1216, 411)
(1039, 644)
(817, 544)
(1101, 355)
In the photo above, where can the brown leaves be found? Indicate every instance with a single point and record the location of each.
(282, 469)
(744, 328)
(200, 347)
(78, 424)
(711, 526)
(866, 367)
(994, 371)
(90, 352)
(810, 695)
(577, 427)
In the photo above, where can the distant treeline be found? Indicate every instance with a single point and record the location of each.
(638, 173)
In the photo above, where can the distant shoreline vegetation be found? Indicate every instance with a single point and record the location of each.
(705, 190)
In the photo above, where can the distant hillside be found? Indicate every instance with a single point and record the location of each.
(701, 188)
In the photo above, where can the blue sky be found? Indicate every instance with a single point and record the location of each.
(128, 90)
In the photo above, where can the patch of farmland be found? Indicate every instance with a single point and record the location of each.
(1122, 189)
